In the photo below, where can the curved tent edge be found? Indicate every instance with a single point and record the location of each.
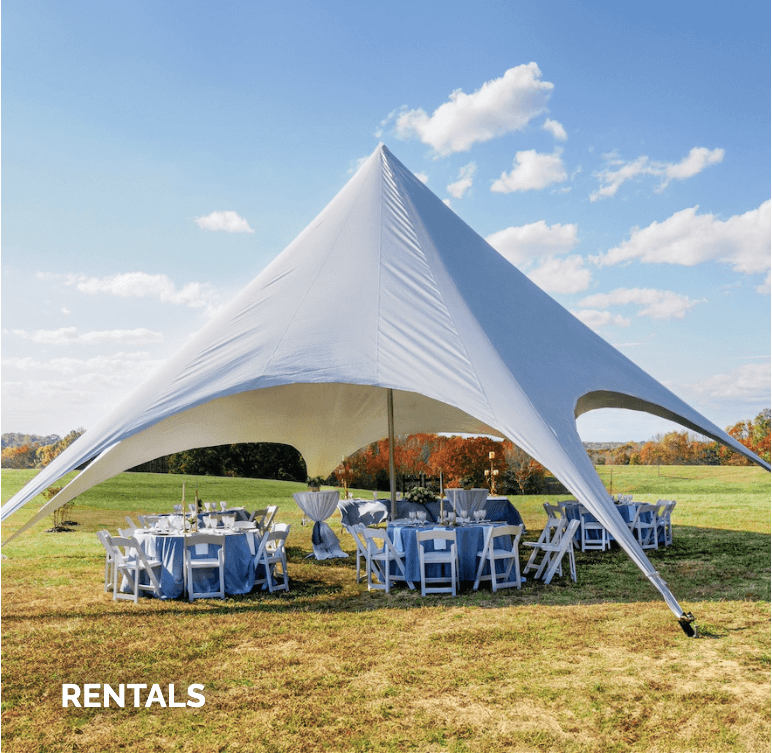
(599, 399)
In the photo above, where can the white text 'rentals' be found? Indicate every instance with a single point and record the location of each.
(96, 695)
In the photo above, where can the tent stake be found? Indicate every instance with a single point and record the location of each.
(392, 481)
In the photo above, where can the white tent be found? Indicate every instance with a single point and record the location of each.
(387, 289)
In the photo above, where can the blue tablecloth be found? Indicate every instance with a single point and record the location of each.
(240, 550)
(626, 510)
(469, 540)
(497, 509)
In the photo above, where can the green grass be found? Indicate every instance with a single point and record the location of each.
(597, 665)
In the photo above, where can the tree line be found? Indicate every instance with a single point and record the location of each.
(421, 459)
(682, 448)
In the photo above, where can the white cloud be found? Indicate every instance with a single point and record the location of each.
(107, 364)
(556, 129)
(423, 177)
(686, 238)
(611, 179)
(71, 336)
(532, 171)
(142, 285)
(566, 276)
(498, 107)
(597, 319)
(464, 182)
(358, 164)
(747, 383)
(695, 162)
(228, 221)
(522, 244)
(658, 304)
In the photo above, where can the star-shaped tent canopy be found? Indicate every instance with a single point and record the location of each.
(387, 289)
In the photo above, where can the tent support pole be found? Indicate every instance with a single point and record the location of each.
(392, 479)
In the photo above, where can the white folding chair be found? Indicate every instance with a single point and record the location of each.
(553, 511)
(644, 526)
(266, 523)
(200, 544)
(447, 555)
(270, 554)
(127, 533)
(378, 558)
(551, 531)
(592, 534)
(664, 513)
(103, 537)
(130, 562)
(553, 551)
(132, 524)
(361, 545)
(492, 554)
(258, 517)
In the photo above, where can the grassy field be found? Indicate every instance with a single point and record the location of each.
(599, 665)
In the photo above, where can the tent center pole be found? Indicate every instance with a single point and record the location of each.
(392, 479)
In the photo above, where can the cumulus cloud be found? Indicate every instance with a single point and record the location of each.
(464, 182)
(71, 336)
(566, 276)
(695, 162)
(522, 244)
(423, 177)
(597, 319)
(498, 107)
(142, 285)
(537, 242)
(658, 304)
(687, 238)
(747, 383)
(228, 221)
(556, 129)
(532, 171)
(618, 171)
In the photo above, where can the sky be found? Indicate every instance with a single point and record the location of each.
(157, 156)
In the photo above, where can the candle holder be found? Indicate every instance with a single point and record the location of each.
(491, 475)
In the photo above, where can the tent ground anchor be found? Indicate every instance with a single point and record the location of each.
(685, 621)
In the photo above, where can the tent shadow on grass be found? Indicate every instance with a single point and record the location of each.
(702, 565)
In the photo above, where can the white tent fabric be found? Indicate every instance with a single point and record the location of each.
(386, 289)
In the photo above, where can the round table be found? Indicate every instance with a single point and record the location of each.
(469, 540)
(240, 549)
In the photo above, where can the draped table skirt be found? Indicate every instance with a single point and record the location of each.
(469, 540)
(240, 550)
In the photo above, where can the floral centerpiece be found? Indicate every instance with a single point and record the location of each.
(315, 483)
(421, 495)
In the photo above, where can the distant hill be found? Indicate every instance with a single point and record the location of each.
(19, 440)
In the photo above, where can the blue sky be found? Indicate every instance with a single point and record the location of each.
(156, 156)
